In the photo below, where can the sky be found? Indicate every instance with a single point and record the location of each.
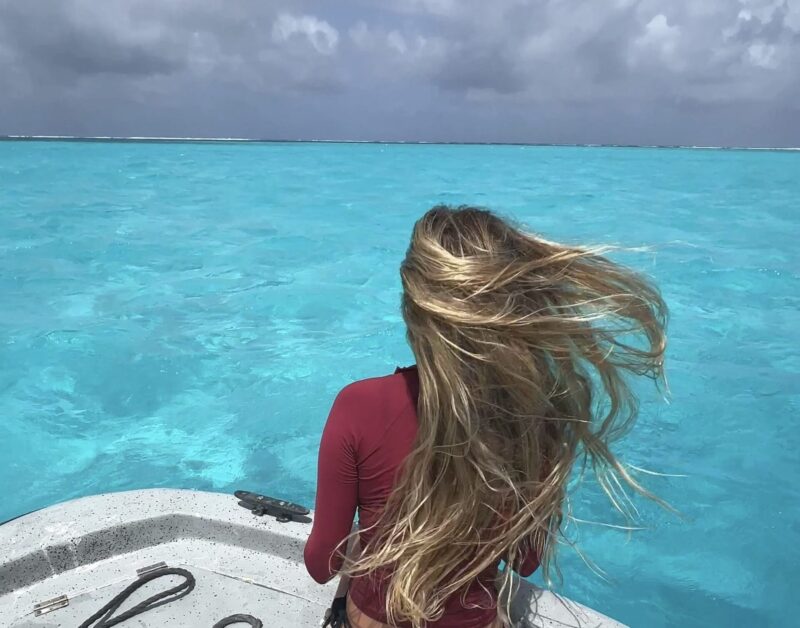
(689, 72)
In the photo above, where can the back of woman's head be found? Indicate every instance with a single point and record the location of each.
(522, 347)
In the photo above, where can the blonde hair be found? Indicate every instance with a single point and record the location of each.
(522, 346)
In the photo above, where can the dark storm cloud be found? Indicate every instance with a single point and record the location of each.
(52, 37)
(628, 71)
(771, 29)
(241, 41)
(470, 68)
(588, 50)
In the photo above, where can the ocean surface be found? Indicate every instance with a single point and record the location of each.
(183, 314)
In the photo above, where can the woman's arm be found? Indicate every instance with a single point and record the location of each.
(337, 491)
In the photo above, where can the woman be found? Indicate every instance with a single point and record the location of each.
(521, 346)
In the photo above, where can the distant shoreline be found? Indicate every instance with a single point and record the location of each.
(242, 140)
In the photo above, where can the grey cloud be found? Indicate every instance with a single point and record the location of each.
(521, 70)
(97, 56)
(146, 38)
(56, 40)
(771, 28)
(483, 69)
(587, 50)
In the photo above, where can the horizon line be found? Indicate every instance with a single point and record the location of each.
(168, 139)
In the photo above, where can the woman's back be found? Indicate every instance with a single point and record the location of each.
(368, 435)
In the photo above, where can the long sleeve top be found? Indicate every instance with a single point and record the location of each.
(369, 432)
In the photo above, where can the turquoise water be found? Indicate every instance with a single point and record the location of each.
(183, 314)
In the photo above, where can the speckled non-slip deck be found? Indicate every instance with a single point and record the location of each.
(89, 549)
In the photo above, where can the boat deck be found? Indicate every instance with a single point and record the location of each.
(88, 550)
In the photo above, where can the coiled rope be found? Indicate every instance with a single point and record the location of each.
(104, 617)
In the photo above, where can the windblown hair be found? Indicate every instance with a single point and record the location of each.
(522, 347)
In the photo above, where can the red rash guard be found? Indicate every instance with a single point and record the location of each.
(369, 432)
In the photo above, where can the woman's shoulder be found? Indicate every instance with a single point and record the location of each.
(380, 383)
(381, 392)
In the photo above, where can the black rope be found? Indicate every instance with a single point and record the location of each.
(104, 618)
(239, 619)
(104, 615)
